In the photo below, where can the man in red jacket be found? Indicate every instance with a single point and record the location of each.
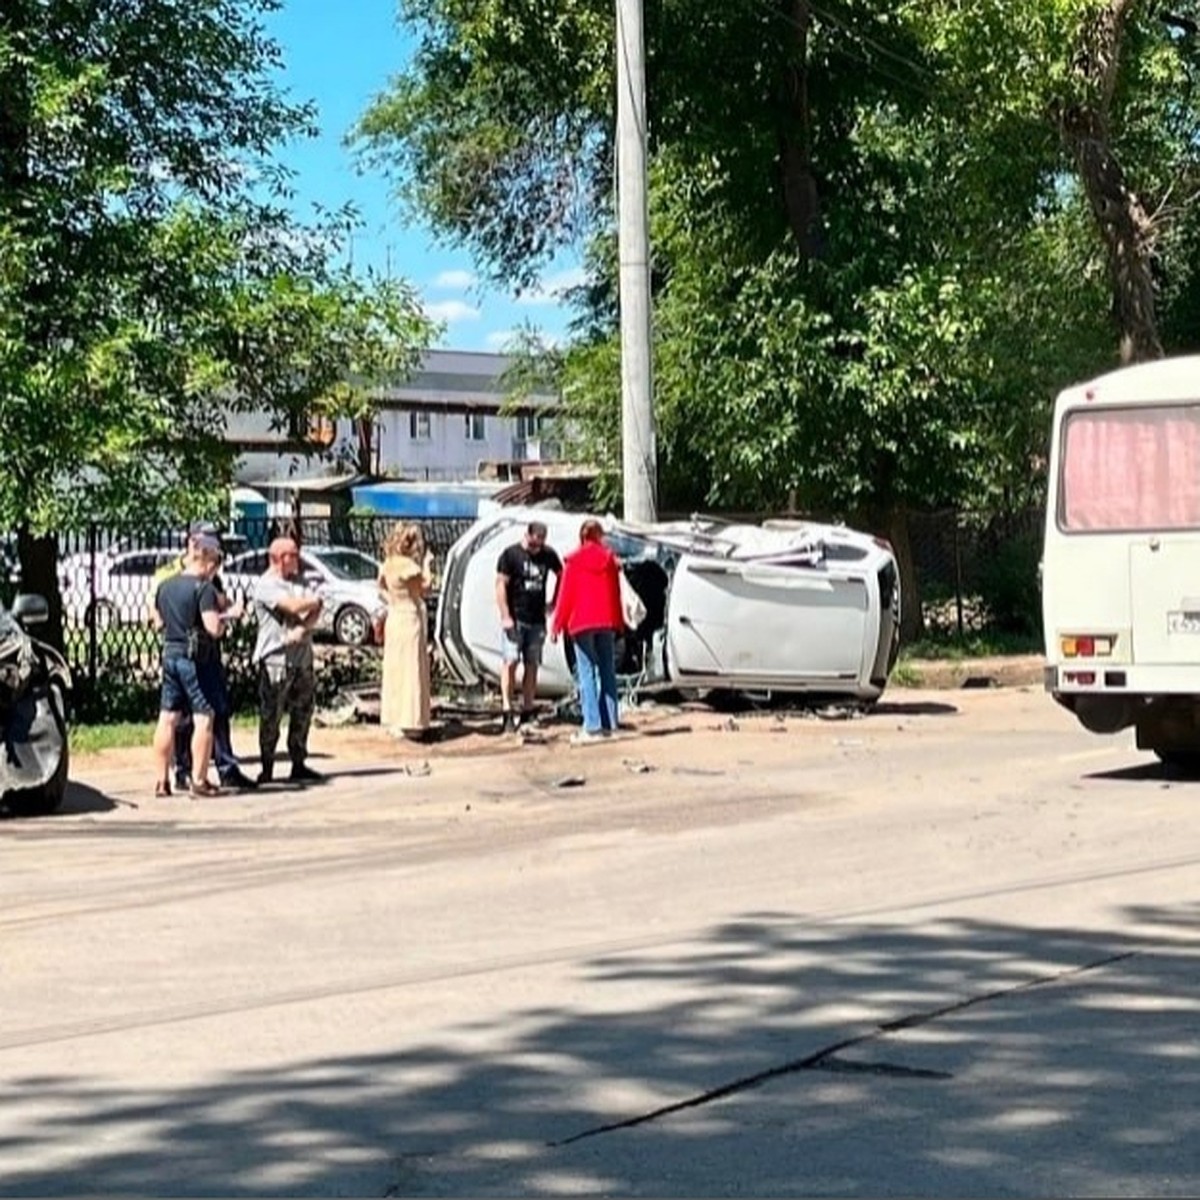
(589, 609)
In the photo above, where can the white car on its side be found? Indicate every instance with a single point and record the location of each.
(782, 607)
(344, 577)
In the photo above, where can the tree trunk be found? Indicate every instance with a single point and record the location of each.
(364, 430)
(1128, 234)
(889, 519)
(39, 575)
(799, 182)
(1125, 226)
(896, 530)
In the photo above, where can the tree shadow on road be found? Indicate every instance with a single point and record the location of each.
(771, 1056)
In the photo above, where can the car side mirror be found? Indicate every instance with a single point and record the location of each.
(314, 578)
(29, 609)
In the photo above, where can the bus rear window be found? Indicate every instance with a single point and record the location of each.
(1127, 469)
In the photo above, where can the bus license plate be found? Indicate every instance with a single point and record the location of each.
(1183, 622)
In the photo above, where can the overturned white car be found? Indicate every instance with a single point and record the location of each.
(786, 606)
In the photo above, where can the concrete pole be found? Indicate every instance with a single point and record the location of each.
(638, 453)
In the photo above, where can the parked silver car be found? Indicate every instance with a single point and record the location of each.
(114, 586)
(345, 578)
(785, 606)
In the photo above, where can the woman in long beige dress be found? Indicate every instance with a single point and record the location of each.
(405, 579)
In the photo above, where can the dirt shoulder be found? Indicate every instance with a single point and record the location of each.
(678, 733)
(1022, 670)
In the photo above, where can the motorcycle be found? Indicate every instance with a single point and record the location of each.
(35, 689)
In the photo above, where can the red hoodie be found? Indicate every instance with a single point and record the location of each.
(589, 594)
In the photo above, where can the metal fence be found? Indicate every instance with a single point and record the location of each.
(978, 572)
(107, 578)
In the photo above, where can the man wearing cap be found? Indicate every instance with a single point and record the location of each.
(211, 676)
(287, 610)
(522, 575)
(187, 615)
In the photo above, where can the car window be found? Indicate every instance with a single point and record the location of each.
(348, 564)
(249, 564)
(136, 564)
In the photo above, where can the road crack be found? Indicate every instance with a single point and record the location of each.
(826, 1059)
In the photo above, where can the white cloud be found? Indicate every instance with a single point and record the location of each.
(500, 339)
(454, 281)
(550, 289)
(451, 311)
(503, 340)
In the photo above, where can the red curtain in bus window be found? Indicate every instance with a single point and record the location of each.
(1132, 469)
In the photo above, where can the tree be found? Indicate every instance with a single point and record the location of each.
(152, 281)
(1102, 89)
(870, 266)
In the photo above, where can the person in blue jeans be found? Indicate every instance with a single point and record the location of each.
(211, 677)
(589, 610)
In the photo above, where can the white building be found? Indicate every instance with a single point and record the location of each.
(443, 424)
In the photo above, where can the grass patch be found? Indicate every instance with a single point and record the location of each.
(904, 674)
(983, 645)
(126, 735)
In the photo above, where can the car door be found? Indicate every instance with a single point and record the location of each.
(754, 622)
(129, 581)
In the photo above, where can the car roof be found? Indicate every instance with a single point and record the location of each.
(307, 548)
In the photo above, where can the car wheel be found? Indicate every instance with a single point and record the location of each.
(47, 799)
(353, 626)
(103, 614)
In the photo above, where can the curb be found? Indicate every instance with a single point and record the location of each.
(950, 674)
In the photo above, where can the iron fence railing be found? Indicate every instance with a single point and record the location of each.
(106, 581)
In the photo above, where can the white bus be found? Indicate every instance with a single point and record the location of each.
(1121, 560)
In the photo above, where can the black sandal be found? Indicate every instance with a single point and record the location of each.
(162, 789)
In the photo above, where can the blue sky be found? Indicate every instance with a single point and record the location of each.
(340, 56)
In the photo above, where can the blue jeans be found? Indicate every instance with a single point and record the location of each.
(596, 674)
(211, 677)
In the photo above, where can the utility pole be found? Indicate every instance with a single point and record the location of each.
(639, 456)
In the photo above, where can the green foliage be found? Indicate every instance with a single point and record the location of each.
(1009, 587)
(152, 281)
(951, 647)
(874, 258)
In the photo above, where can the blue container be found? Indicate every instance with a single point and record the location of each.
(419, 501)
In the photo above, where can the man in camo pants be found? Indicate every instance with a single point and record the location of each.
(287, 609)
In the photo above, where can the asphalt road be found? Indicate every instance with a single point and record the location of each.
(949, 948)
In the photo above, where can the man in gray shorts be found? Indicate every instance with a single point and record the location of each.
(522, 576)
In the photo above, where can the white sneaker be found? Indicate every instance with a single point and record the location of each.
(585, 738)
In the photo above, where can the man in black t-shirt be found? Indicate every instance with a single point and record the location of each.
(522, 576)
(189, 616)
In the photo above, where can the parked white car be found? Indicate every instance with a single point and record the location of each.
(118, 593)
(786, 606)
(345, 578)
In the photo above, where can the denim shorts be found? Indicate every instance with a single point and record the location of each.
(181, 688)
(523, 643)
